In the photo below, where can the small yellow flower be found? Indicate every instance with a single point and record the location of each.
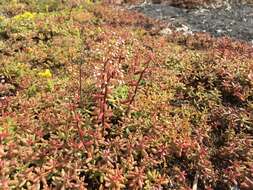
(25, 16)
(45, 74)
(2, 18)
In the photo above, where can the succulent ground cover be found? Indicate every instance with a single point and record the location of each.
(92, 97)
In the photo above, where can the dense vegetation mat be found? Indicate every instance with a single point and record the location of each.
(94, 98)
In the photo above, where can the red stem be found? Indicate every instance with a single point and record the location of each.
(80, 86)
(137, 87)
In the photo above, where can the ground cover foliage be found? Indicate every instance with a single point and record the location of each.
(94, 98)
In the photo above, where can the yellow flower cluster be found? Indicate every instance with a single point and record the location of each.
(25, 16)
(45, 74)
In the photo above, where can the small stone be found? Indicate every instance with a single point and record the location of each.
(165, 31)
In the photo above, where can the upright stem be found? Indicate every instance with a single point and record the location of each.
(137, 85)
(80, 86)
(104, 87)
(136, 89)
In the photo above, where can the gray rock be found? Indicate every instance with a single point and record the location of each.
(234, 20)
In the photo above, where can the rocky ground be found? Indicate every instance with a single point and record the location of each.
(233, 20)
